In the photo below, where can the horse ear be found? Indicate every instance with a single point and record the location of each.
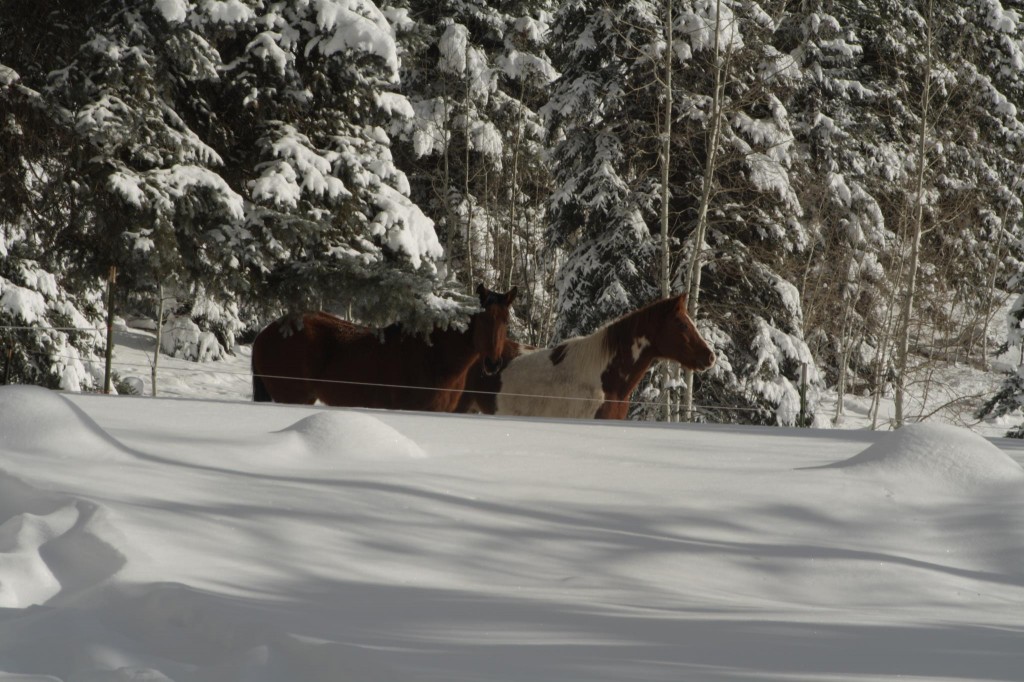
(511, 295)
(481, 291)
(682, 301)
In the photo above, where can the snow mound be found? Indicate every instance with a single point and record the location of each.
(36, 420)
(355, 435)
(938, 453)
(49, 545)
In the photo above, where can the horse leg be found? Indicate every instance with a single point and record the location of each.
(260, 394)
(616, 409)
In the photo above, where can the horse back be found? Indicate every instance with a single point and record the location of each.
(295, 349)
(562, 382)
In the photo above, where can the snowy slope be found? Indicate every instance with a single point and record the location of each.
(151, 539)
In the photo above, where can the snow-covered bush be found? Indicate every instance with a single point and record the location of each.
(182, 338)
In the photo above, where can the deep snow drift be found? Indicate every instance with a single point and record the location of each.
(164, 539)
(923, 456)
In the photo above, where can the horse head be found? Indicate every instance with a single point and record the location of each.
(677, 337)
(489, 327)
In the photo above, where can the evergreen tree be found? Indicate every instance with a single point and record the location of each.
(601, 119)
(606, 198)
(843, 141)
(39, 198)
(236, 153)
(306, 94)
(475, 74)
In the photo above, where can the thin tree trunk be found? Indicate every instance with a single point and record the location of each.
(696, 263)
(7, 366)
(903, 347)
(844, 359)
(992, 290)
(883, 353)
(665, 158)
(932, 360)
(159, 333)
(110, 330)
(514, 198)
(469, 202)
(446, 164)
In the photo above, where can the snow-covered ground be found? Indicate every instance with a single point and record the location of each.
(208, 538)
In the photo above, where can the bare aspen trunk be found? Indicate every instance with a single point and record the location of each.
(696, 263)
(514, 198)
(469, 203)
(930, 367)
(962, 325)
(844, 359)
(903, 347)
(159, 334)
(882, 352)
(991, 294)
(107, 372)
(446, 199)
(665, 157)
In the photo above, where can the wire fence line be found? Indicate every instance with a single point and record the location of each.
(368, 384)
(101, 330)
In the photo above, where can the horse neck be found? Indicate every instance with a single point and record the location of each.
(452, 351)
(632, 352)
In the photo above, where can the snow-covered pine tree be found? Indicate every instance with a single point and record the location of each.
(474, 74)
(601, 117)
(842, 137)
(1001, 62)
(39, 307)
(947, 89)
(1009, 399)
(605, 201)
(308, 92)
(158, 207)
(239, 152)
(979, 183)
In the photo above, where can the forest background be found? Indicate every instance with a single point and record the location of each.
(835, 185)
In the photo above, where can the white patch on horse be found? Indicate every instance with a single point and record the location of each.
(574, 384)
(638, 347)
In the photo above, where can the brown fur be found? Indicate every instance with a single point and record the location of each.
(321, 357)
(482, 389)
(661, 330)
(671, 334)
(558, 353)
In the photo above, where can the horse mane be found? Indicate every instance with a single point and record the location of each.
(622, 332)
(587, 351)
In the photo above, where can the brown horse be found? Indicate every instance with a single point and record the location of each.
(591, 376)
(318, 356)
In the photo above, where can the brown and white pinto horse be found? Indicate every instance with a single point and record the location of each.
(591, 376)
(317, 356)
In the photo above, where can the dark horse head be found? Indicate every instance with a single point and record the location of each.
(677, 337)
(489, 327)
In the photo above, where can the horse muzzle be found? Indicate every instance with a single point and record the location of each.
(704, 363)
